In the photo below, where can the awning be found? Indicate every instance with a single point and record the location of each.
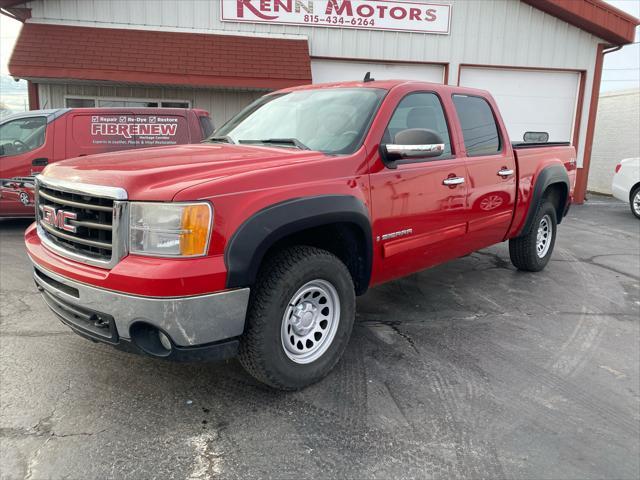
(594, 16)
(60, 52)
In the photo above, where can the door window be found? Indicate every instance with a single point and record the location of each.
(22, 135)
(478, 124)
(419, 110)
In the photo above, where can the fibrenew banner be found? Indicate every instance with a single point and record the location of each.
(367, 14)
(139, 130)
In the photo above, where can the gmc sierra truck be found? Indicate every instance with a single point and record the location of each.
(256, 242)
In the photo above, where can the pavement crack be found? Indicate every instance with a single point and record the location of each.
(33, 461)
(409, 340)
(208, 460)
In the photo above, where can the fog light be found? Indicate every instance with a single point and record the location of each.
(164, 340)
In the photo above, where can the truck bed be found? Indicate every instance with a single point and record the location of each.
(531, 159)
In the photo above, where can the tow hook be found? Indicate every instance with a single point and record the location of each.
(99, 322)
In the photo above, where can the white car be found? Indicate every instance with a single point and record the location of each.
(626, 183)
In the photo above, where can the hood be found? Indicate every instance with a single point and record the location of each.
(158, 174)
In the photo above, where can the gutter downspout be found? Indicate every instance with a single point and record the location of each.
(580, 192)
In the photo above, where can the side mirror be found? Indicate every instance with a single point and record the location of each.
(410, 144)
(536, 137)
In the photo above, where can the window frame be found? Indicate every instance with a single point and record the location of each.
(44, 137)
(501, 150)
(447, 120)
(96, 99)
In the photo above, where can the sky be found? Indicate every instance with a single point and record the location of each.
(621, 69)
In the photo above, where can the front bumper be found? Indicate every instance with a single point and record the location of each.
(196, 325)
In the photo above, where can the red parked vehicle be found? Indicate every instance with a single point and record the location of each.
(257, 242)
(31, 140)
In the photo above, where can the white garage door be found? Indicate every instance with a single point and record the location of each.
(324, 71)
(530, 100)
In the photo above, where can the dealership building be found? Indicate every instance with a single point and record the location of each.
(541, 59)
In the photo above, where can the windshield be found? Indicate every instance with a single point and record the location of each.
(331, 120)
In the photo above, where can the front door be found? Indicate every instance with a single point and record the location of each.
(419, 207)
(491, 167)
(24, 152)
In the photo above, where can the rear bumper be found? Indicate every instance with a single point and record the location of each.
(199, 327)
(621, 192)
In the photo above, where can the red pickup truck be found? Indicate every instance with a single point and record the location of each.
(31, 140)
(257, 242)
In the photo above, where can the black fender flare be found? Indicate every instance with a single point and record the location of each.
(251, 241)
(549, 175)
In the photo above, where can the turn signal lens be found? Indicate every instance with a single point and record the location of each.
(195, 226)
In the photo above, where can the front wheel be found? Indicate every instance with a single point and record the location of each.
(531, 252)
(300, 318)
(635, 202)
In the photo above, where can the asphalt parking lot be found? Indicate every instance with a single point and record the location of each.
(468, 370)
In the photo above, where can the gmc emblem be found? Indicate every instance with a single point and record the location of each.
(58, 218)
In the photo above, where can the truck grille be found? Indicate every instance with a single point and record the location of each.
(80, 224)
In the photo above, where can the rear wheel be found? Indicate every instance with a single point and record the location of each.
(635, 201)
(300, 318)
(531, 252)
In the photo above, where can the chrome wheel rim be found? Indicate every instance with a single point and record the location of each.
(636, 203)
(543, 239)
(310, 322)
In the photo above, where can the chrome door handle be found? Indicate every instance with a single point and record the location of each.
(453, 181)
(505, 172)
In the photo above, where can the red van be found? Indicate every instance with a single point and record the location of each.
(29, 141)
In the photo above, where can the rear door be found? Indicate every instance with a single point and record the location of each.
(491, 167)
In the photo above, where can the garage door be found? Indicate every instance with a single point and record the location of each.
(343, 70)
(530, 100)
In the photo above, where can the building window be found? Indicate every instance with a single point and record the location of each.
(80, 103)
(175, 104)
(76, 102)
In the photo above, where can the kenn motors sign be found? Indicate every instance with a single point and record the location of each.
(369, 14)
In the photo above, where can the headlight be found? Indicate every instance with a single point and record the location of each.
(170, 229)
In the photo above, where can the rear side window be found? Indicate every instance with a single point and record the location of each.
(206, 126)
(419, 110)
(478, 124)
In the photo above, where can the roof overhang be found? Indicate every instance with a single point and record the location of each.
(59, 52)
(11, 9)
(594, 16)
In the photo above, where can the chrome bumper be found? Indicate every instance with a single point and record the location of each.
(107, 316)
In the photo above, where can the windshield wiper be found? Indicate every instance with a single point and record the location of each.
(225, 139)
(278, 141)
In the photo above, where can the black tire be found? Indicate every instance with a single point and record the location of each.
(635, 192)
(523, 250)
(262, 353)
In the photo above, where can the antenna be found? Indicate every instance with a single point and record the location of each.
(367, 78)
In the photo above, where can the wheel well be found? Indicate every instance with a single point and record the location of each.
(557, 194)
(633, 189)
(345, 240)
